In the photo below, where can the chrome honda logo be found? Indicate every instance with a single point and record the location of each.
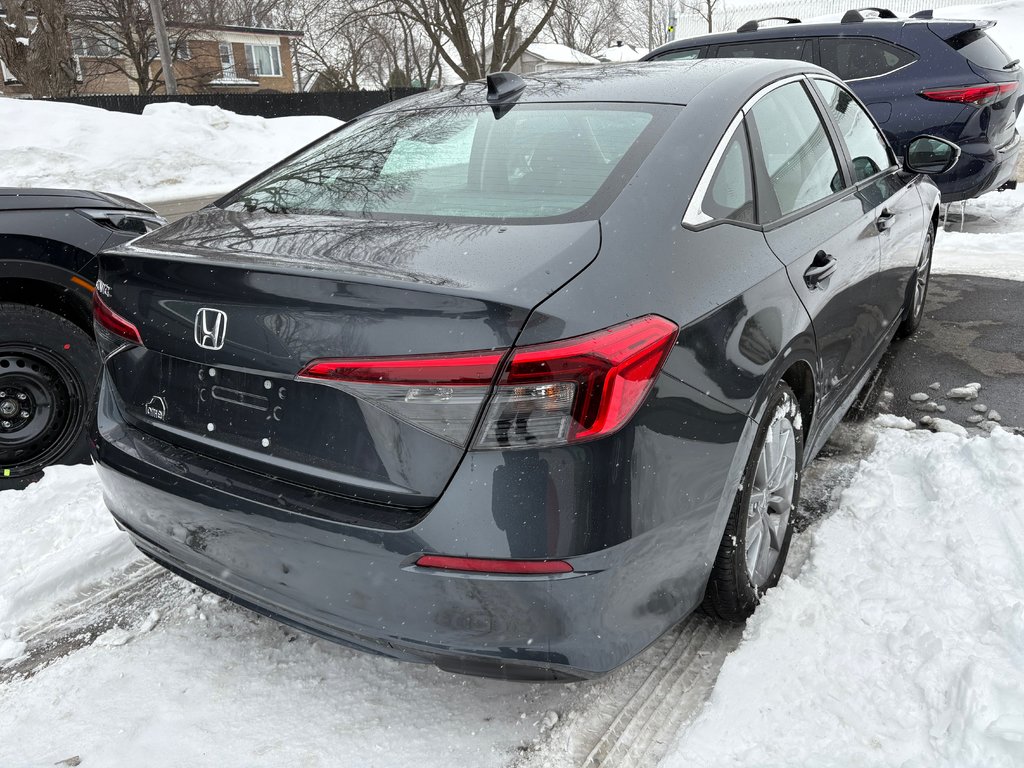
(211, 327)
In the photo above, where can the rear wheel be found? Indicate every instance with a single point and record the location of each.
(48, 368)
(917, 291)
(756, 540)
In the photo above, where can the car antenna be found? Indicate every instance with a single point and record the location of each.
(502, 90)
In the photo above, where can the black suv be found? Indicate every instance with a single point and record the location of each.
(49, 239)
(917, 75)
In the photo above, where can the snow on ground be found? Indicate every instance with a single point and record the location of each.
(993, 249)
(170, 151)
(902, 641)
(209, 684)
(56, 541)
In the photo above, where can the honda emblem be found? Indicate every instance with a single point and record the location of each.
(211, 327)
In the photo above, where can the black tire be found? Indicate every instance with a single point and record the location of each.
(48, 370)
(917, 291)
(733, 591)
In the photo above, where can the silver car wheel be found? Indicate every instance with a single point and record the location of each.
(771, 501)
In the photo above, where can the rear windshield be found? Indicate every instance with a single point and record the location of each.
(534, 162)
(980, 49)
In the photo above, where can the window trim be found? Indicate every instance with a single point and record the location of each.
(694, 216)
(227, 68)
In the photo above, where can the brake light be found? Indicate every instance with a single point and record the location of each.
(440, 394)
(975, 95)
(107, 318)
(576, 390)
(546, 394)
(482, 565)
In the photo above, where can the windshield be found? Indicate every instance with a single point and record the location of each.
(536, 162)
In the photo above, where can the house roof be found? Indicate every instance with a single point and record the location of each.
(556, 53)
(235, 28)
(618, 54)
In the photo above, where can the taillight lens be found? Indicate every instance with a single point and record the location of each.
(576, 390)
(107, 318)
(440, 394)
(547, 394)
(975, 95)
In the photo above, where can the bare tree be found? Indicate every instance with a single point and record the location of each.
(117, 38)
(37, 49)
(250, 13)
(708, 10)
(475, 37)
(401, 55)
(590, 25)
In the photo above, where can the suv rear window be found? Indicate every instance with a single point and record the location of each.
(980, 49)
(852, 58)
(536, 162)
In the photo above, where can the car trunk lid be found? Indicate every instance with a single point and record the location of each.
(231, 306)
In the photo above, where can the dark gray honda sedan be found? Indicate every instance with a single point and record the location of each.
(512, 377)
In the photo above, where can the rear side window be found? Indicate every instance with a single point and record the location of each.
(731, 192)
(852, 58)
(767, 49)
(979, 49)
(689, 53)
(796, 154)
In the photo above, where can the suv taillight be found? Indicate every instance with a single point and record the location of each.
(107, 318)
(546, 394)
(975, 95)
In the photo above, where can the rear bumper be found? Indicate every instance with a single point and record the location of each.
(980, 169)
(360, 587)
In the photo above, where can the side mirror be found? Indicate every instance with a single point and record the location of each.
(930, 155)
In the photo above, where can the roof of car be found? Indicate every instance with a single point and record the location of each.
(869, 27)
(661, 82)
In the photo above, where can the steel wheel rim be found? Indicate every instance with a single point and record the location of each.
(921, 277)
(771, 501)
(51, 394)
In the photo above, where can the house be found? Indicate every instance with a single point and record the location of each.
(620, 53)
(207, 58)
(546, 57)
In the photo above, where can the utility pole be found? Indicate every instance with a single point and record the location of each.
(164, 47)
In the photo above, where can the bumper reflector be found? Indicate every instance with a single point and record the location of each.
(483, 565)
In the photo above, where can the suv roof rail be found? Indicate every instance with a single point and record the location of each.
(755, 24)
(929, 14)
(855, 15)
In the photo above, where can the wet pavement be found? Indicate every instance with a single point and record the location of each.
(973, 332)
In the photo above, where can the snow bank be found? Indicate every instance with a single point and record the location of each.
(56, 540)
(902, 641)
(993, 253)
(172, 150)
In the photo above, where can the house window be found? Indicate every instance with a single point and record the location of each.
(264, 60)
(227, 60)
(94, 45)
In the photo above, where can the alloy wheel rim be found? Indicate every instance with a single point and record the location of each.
(921, 277)
(771, 501)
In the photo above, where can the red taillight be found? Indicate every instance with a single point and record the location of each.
(475, 368)
(546, 394)
(976, 95)
(107, 318)
(483, 565)
(578, 389)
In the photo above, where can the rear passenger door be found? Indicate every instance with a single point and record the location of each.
(884, 190)
(818, 227)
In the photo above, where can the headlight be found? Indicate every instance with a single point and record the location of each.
(136, 222)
